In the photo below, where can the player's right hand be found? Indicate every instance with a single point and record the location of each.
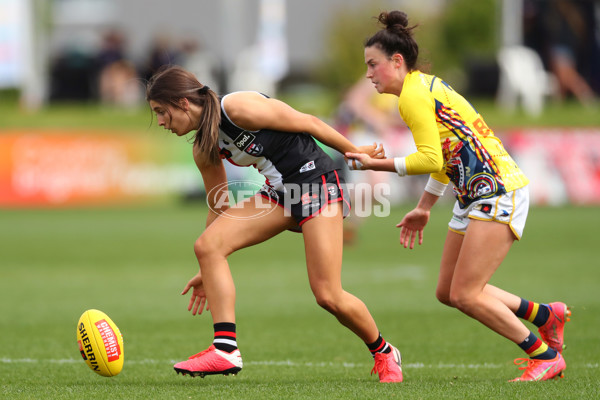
(198, 301)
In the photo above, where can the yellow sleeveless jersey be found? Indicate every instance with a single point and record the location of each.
(453, 141)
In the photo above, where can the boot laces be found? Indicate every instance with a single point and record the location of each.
(381, 366)
(203, 352)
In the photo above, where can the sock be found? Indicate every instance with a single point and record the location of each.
(379, 346)
(225, 338)
(536, 349)
(533, 312)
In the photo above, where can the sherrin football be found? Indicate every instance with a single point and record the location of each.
(100, 343)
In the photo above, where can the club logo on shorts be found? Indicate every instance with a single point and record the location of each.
(332, 189)
(485, 208)
(308, 167)
(308, 198)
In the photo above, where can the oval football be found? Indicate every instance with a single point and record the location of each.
(100, 343)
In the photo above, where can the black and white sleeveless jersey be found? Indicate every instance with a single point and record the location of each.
(282, 157)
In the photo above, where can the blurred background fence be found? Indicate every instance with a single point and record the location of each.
(74, 128)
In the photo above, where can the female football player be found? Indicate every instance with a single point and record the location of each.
(455, 144)
(302, 192)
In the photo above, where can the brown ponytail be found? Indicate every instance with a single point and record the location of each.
(173, 83)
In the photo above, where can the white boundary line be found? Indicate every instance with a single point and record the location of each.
(286, 363)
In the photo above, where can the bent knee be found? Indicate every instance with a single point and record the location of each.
(462, 300)
(443, 297)
(207, 246)
(327, 300)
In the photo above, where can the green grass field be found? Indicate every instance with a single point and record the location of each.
(133, 262)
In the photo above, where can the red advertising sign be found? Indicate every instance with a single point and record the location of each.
(54, 168)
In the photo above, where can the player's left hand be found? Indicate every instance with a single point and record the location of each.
(412, 226)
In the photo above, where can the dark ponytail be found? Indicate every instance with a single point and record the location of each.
(396, 37)
(171, 84)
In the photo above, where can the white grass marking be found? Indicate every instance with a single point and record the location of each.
(284, 363)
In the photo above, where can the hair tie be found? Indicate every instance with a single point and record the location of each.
(203, 89)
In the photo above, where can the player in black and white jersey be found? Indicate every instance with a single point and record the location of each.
(302, 192)
(290, 163)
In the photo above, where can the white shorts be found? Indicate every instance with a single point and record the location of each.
(510, 208)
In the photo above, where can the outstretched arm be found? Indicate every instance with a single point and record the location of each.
(428, 158)
(252, 111)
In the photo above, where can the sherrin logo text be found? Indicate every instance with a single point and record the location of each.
(86, 349)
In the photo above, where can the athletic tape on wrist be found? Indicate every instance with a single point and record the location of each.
(400, 165)
(435, 187)
(356, 162)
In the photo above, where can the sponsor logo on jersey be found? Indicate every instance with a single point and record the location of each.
(308, 167)
(244, 140)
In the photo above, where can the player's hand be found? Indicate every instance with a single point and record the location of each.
(373, 150)
(198, 298)
(357, 161)
(412, 226)
(361, 159)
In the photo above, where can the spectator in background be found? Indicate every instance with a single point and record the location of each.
(162, 53)
(117, 76)
(112, 48)
(197, 59)
(562, 32)
(72, 74)
(373, 114)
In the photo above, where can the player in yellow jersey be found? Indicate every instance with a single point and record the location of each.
(454, 144)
